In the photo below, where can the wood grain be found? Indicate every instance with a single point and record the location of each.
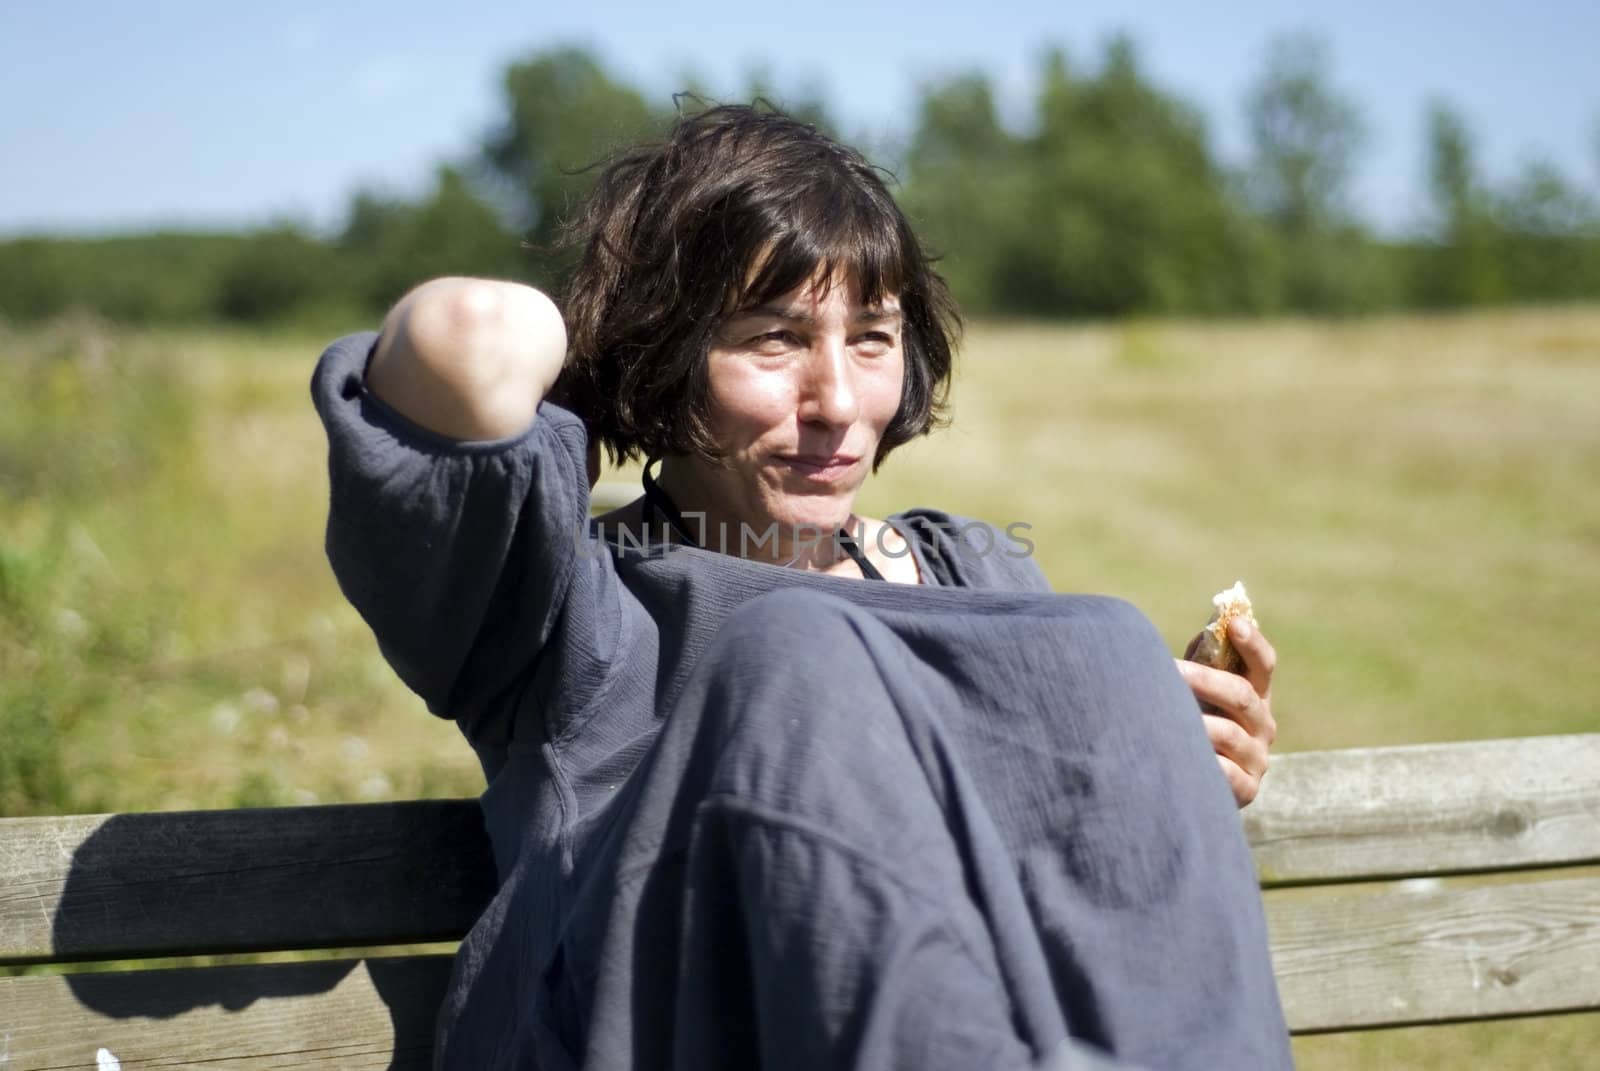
(334, 1014)
(134, 885)
(1426, 952)
(1430, 952)
(1369, 813)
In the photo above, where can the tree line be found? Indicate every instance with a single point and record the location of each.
(1109, 200)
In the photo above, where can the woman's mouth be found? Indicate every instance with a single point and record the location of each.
(820, 468)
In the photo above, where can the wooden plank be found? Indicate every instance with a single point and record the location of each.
(1421, 953)
(1432, 809)
(136, 885)
(335, 1014)
(1428, 951)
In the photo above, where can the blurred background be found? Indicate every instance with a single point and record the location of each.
(1304, 295)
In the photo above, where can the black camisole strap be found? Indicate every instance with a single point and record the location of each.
(658, 501)
(848, 542)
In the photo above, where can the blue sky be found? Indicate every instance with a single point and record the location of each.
(122, 116)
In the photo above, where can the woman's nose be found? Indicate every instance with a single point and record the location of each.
(829, 393)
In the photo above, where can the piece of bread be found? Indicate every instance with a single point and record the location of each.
(1212, 647)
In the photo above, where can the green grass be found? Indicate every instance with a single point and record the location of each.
(170, 635)
(1414, 503)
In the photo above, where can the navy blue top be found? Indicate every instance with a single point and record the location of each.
(561, 655)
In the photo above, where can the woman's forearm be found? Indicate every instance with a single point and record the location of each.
(469, 359)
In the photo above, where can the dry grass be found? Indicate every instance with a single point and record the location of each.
(1414, 502)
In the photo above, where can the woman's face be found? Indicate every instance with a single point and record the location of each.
(801, 392)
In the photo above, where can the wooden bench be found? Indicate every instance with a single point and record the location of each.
(1372, 860)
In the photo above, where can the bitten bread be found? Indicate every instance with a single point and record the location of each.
(1213, 647)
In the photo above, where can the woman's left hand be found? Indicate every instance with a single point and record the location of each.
(1238, 710)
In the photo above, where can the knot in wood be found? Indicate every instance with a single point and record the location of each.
(1509, 822)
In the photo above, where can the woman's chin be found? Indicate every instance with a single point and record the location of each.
(824, 513)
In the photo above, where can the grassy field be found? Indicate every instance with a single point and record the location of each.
(1414, 502)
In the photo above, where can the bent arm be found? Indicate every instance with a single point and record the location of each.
(455, 517)
(469, 359)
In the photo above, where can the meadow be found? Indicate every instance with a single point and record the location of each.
(1413, 501)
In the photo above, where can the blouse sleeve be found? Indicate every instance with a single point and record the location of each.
(461, 556)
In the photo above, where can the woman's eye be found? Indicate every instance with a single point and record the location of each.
(773, 340)
(876, 342)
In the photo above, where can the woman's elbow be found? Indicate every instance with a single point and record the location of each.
(469, 358)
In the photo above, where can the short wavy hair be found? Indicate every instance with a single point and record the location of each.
(735, 208)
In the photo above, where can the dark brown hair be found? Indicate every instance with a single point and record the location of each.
(737, 207)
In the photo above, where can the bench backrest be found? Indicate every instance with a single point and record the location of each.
(1430, 884)
(1403, 885)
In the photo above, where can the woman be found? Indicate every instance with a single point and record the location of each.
(763, 789)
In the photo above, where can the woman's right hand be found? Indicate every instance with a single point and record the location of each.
(1237, 710)
(467, 358)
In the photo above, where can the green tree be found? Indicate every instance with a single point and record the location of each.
(1594, 147)
(396, 244)
(1306, 137)
(564, 113)
(1462, 265)
(1142, 220)
(1552, 235)
(278, 273)
(1111, 204)
(966, 189)
(163, 276)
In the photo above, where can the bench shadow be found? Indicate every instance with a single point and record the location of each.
(147, 886)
